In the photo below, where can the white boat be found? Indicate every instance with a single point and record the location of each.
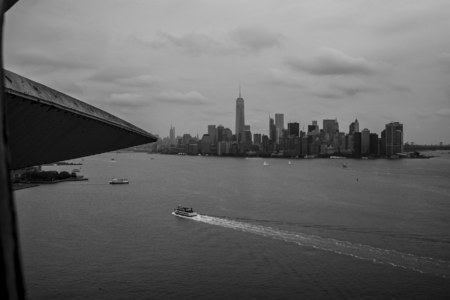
(265, 164)
(182, 211)
(119, 181)
(289, 162)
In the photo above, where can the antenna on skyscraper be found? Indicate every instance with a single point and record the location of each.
(239, 91)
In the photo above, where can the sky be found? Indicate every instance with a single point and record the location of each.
(180, 62)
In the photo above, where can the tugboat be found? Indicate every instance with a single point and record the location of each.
(185, 212)
(119, 181)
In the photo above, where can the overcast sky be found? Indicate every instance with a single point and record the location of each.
(180, 62)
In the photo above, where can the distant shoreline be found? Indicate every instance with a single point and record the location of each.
(25, 185)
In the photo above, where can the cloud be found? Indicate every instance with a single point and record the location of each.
(328, 61)
(191, 43)
(256, 38)
(421, 115)
(239, 41)
(128, 100)
(444, 113)
(444, 60)
(124, 77)
(174, 97)
(46, 61)
(113, 73)
(277, 77)
(344, 87)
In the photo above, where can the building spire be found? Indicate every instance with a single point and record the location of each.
(240, 91)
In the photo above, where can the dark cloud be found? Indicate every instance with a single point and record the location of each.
(328, 61)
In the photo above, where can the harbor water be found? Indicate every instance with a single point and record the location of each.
(311, 229)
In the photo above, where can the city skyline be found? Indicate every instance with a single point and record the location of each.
(290, 142)
(379, 61)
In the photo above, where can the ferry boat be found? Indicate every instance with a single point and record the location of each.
(181, 211)
(119, 181)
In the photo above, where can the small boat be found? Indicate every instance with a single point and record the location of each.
(289, 162)
(119, 181)
(265, 164)
(344, 165)
(75, 170)
(182, 211)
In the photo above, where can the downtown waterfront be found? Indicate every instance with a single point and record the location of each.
(378, 229)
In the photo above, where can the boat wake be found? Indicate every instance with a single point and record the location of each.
(393, 258)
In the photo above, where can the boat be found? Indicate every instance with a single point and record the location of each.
(75, 170)
(182, 211)
(119, 181)
(344, 165)
(265, 164)
(289, 162)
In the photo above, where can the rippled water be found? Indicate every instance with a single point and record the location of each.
(310, 229)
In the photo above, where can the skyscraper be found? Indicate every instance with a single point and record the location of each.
(212, 133)
(279, 126)
(354, 127)
(365, 141)
(272, 130)
(294, 129)
(240, 116)
(220, 133)
(172, 135)
(330, 127)
(313, 129)
(394, 138)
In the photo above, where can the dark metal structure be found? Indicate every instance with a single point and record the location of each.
(45, 125)
(40, 125)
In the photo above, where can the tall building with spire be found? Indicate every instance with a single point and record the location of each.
(240, 116)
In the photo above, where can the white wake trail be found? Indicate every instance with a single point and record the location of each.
(376, 255)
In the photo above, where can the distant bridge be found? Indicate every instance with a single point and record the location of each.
(46, 126)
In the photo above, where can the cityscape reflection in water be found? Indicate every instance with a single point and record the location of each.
(305, 230)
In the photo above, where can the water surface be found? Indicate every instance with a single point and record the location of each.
(311, 229)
